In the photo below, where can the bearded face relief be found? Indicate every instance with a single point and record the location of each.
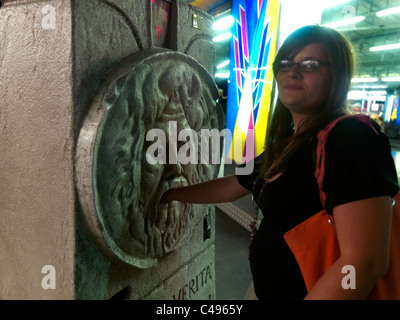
(141, 137)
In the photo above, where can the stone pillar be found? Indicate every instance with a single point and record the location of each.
(83, 83)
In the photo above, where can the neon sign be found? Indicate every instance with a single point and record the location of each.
(252, 50)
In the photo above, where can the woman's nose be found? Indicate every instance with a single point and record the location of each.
(295, 72)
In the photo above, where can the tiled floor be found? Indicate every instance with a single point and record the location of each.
(233, 274)
(232, 267)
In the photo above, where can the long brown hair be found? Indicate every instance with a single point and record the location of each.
(281, 143)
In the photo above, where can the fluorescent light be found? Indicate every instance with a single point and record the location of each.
(386, 47)
(222, 75)
(367, 95)
(332, 3)
(377, 87)
(344, 22)
(362, 80)
(388, 11)
(222, 37)
(223, 23)
(391, 79)
(369, 87)
(223, 64)
(380, 93)
(295, 14)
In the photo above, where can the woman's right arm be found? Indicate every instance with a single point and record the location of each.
(219, 190)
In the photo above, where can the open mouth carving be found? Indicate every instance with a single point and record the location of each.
(172, 218)
(119, 190)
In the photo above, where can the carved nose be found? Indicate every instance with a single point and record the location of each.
(172, 170)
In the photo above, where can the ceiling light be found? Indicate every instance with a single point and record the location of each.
(344, 22)
(391, 79)
(369, 87)
(222, 37)
(359, 92)
(365, 95)
(222, 75)
(378, 92)
(223, 64)
(223, 23)
(378, 87)
(386, 47)
(388, 11)
(362, 80)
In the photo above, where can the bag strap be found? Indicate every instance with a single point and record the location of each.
(322, 138)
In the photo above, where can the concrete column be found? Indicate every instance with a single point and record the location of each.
(37, 200)
(82, 83)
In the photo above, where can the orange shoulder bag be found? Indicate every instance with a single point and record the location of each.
(314, 242)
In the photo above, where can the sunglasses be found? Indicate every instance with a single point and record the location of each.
(304, 66)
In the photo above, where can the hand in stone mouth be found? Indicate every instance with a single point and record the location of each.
(163, 207)
(171, 217)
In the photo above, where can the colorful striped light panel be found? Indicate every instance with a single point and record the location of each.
(252, 51)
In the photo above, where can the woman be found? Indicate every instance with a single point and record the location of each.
(313, 70)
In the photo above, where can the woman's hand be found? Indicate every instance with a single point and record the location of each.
(166, 197)
(226, 189)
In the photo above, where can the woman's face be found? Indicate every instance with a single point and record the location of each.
(302, 92)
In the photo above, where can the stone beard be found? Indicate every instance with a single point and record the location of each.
(163, 86)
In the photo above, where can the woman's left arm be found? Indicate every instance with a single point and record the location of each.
(363, 231)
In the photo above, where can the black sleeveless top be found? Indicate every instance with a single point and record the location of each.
(359, 165)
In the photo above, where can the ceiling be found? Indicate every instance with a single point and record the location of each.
(373, 31)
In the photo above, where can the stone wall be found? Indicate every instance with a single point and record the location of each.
(37, 198)
(83, 82)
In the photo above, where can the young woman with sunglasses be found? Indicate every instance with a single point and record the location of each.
(313, 70)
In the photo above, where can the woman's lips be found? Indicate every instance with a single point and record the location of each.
(293, 87)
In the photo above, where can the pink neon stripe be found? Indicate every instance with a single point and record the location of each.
(249, 140)
(259, 7)
(244, 34)
(251, 121)
(237, 64)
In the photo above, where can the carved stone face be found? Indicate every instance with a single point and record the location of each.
(118, 188)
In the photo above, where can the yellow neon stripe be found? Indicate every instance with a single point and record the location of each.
(246, 102)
